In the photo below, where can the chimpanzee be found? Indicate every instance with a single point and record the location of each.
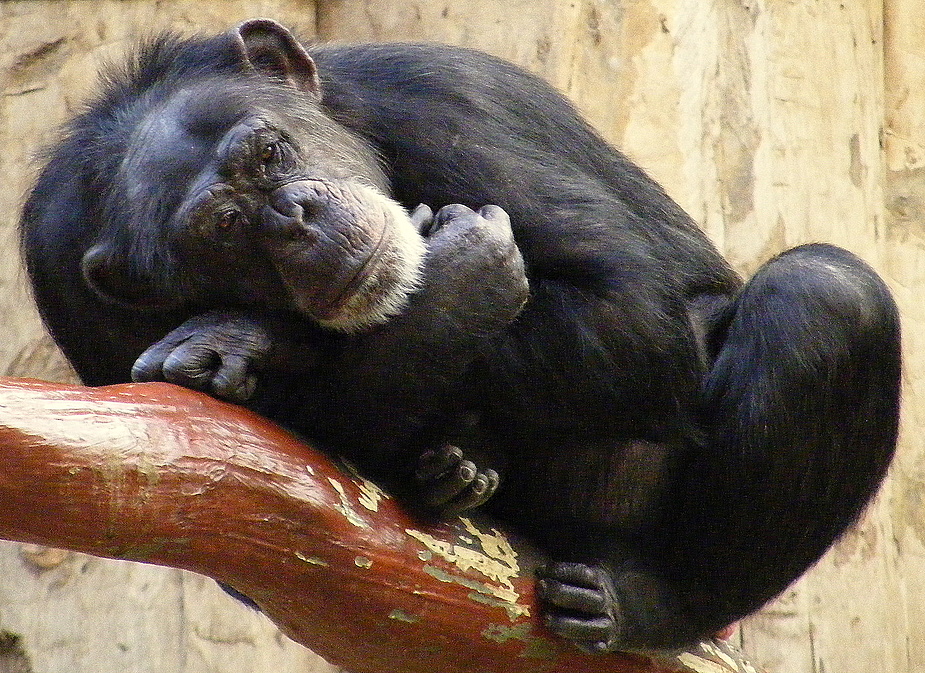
(556, 339)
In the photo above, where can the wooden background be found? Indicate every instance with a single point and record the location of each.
(773, 122)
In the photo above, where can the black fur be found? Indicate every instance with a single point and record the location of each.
(691, 443)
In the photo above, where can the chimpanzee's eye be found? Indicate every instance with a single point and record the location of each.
(228, 219)
(271, 153)
(274, 156)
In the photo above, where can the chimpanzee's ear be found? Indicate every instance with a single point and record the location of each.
(115, 282)
(270, 48)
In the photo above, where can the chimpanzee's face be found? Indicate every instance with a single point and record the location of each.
(242, 191)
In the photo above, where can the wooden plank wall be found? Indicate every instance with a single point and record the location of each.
(772, 122)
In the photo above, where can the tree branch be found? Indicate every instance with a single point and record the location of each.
(164, 475)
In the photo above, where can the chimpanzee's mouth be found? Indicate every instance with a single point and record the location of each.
(366, 262)
(330, 310)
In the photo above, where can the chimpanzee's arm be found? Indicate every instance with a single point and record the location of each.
(403, 374)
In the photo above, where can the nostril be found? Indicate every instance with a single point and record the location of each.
(292, 225)
(296, 210)
(301, 233)
(307, 211)
(300, 230)
(305, 217)
(311, 210)
(302, 210)
(304, 196)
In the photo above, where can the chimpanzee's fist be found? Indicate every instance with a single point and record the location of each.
(473, 263)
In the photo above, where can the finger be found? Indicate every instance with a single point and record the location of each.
(230, 380)
(596, 647)
(597, 629)
(475, 494)
(191, 365)
(422, 217)
(571, 597)
(434, 463)
(576, 574)
(148, 366)
(450, 485)
(494, 480)
(494, 213)
(451, 212)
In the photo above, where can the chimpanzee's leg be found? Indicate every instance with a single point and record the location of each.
(801, 406)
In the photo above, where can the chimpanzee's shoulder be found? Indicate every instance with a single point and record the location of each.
(406, 62)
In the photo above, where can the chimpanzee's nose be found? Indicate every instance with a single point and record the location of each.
(296, 210)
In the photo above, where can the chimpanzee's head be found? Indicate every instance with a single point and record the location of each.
(232, 186)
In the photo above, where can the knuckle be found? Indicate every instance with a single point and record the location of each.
(224, 384)
(144, 369)
(183, 365)
(495, 213)
(453, 211)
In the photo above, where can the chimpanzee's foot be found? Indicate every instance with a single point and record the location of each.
(580, 604)
(449, 484)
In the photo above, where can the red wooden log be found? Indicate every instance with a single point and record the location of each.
(159, 474)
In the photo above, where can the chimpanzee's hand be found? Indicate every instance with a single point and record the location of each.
(580, 603)
(450, 485)
(474, 268)
(215, 352)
